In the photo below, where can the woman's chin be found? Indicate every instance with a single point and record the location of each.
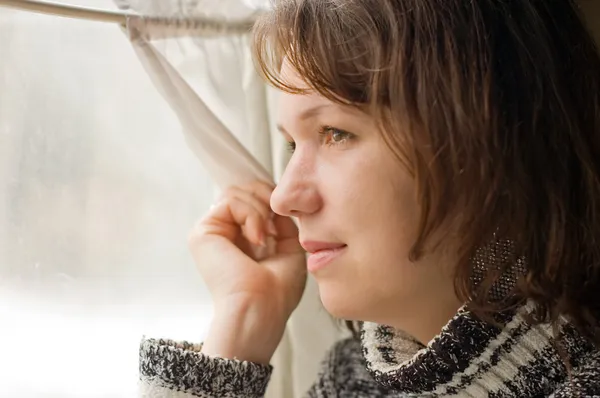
(340, 303)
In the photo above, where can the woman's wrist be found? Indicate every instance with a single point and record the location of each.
(244, 330)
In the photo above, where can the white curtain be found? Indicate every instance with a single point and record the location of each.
(98, 190)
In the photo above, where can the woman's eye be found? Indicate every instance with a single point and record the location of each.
(338, 136)
(329, 136)
(332, 136)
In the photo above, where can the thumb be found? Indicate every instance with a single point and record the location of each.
(287, 235)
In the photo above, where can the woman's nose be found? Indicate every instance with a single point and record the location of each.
(297, 193)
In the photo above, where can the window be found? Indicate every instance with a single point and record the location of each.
(98, 191)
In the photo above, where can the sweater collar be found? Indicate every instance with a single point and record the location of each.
(473, 358)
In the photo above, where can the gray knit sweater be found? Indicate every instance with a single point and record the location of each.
(469, 358)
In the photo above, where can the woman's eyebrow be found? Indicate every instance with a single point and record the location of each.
(306, 114)
(315, 111)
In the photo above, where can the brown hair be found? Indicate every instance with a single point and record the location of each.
(494, 108)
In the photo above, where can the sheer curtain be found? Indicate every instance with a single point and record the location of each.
(98, 190)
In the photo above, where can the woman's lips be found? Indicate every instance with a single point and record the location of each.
(322, 254)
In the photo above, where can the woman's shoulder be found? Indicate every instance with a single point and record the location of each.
(584, 380)
(344, 372)
(346, 355)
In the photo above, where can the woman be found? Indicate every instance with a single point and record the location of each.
(445, 180)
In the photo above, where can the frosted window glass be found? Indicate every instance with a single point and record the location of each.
(98, 191)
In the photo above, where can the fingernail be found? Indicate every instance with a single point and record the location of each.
(261, 239)
(271, 228)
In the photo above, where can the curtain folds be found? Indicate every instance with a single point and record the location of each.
(253, 150)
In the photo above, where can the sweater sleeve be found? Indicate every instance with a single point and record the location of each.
(170, 369)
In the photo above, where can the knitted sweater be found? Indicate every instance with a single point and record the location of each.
(469, 358)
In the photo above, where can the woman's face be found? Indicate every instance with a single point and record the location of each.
(356, 208)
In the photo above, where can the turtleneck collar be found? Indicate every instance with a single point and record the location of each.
(472, 358)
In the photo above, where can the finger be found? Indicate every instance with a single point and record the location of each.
(228, 217)
(288, 236)
(262, 190)
(254, 230)
(259, 188)
(261, 206)
(258, 195)
(246, 216)
(286, 227)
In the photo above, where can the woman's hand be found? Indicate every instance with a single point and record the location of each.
(255, 269)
